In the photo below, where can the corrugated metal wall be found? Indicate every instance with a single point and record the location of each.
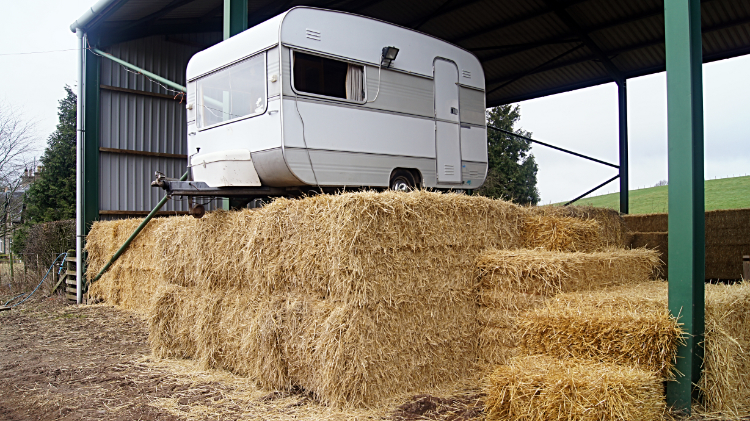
(145, 123)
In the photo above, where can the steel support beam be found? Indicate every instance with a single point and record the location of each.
(235, 17)
(235, 21)
(622, 108)
(88, 178)
(552, 146)
(682, 22)
(592, 190)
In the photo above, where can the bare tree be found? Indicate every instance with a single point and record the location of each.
(17, 136)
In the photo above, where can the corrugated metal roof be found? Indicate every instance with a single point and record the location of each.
(522, 43)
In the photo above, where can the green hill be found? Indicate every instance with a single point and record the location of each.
(726, 193)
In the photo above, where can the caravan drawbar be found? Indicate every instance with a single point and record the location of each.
(327, 99)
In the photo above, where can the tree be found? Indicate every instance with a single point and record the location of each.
(16, 144)
(512, 169)
(52, 197)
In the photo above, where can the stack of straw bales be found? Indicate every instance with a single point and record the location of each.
(511, 281)
(354, 297)
(541, 388)
(727, 239)
(647, 222)
(631, 326)
(555, 370)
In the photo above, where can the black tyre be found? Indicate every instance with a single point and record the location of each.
(402, 180)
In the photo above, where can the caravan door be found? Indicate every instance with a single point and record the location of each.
(447, 125)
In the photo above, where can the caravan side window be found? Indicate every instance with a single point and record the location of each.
(233, 92)
(327, 77)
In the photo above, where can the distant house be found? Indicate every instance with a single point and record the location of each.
(12, 206)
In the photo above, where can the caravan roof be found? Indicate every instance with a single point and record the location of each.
(341, 34)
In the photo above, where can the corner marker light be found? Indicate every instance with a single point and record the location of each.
(389, 54)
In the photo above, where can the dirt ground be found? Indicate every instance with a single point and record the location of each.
(67, 362)
(63, 362)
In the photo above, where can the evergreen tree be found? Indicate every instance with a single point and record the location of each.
(512, 169)
(52, 197)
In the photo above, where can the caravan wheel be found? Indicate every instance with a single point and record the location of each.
(402, 180)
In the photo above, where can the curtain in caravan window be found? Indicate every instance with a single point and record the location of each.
(354, 83)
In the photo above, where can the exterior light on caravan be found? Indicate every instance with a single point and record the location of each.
(389, 54)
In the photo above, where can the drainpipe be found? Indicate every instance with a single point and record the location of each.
(79, 170)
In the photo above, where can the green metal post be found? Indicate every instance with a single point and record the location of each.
(90, 140)
(682, 21)
(622, 104)
(153, 76)
(235, 21)
(235, 17)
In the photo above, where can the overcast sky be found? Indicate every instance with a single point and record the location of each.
(586, 121)
(583, 120)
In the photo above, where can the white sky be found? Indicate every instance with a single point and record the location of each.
(583, 120)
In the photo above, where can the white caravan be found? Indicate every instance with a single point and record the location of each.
(322, 98)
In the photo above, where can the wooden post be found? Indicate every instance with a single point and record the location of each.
(10, 255)
(745, 268)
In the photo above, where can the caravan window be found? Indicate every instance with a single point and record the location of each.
(327, 77)
(232, 92)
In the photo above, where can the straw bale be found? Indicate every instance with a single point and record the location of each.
(496, 316)
(725, 261)
(628, 325)
(334, 350)
(727, 219)
(489, 297)
(611, 223)
(544, 388)
(497, 345)
(658, 241)
(134, 278)
(170, 332)
(649, 222)
(562, 233)
(725, 384)
(716, 221)
(207, 252)
(548, 273)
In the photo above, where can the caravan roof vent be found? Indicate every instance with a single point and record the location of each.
(466, 74)
(312, 34)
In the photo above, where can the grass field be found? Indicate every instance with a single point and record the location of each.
(726, 193)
